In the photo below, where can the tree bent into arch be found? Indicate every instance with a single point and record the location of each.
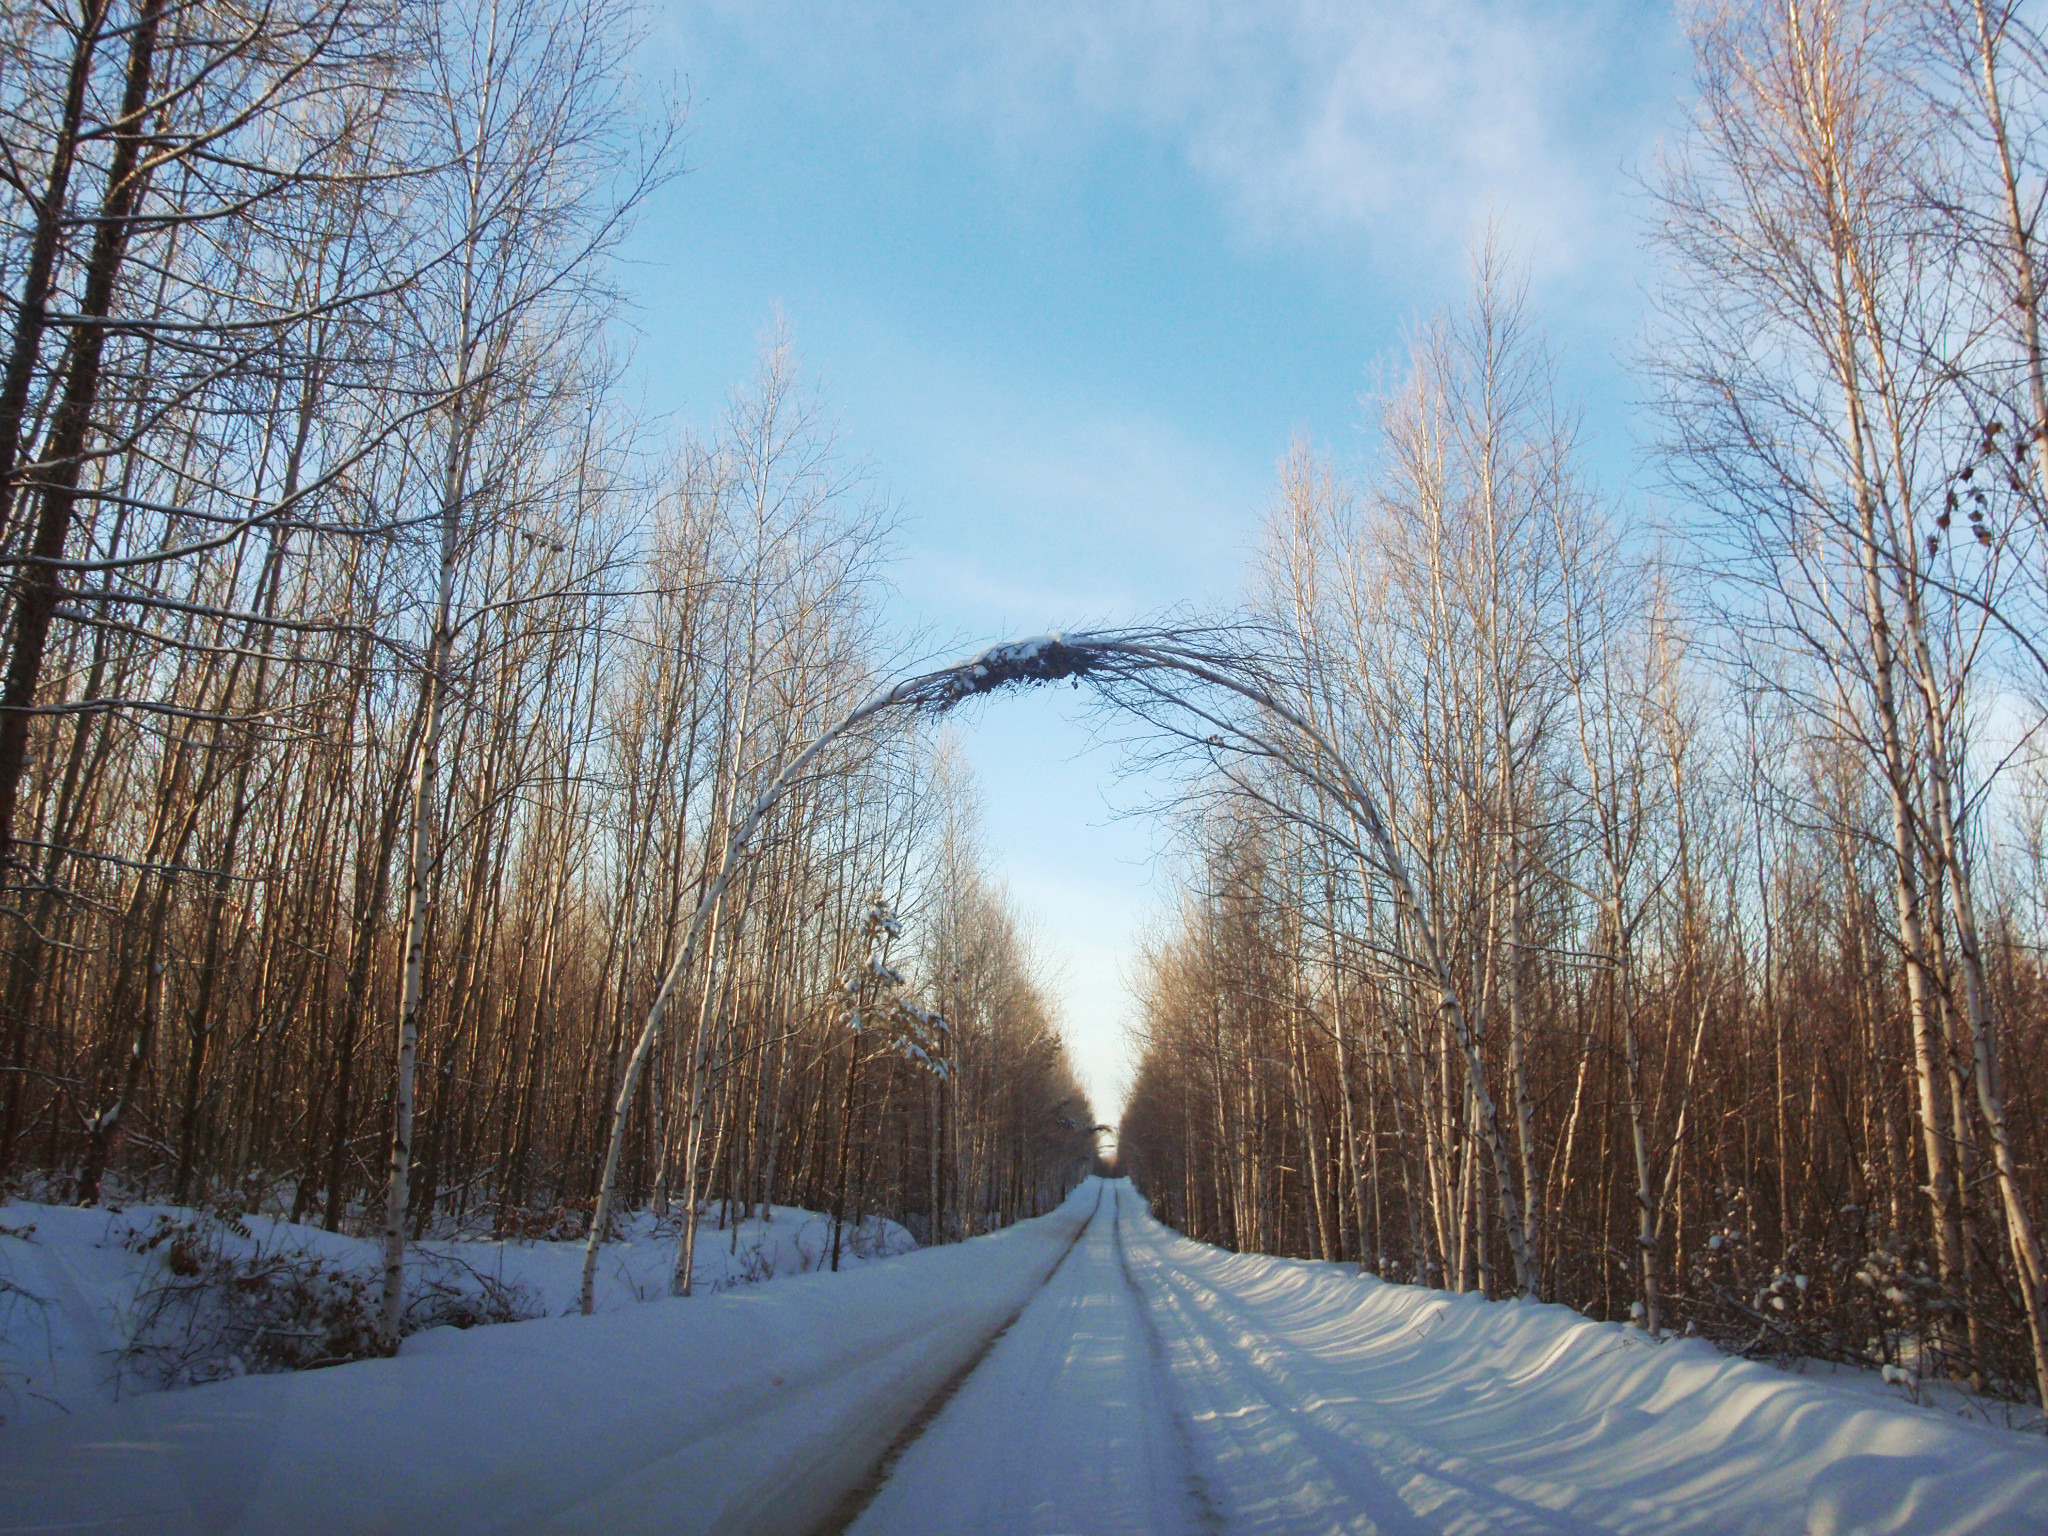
(1165, 677)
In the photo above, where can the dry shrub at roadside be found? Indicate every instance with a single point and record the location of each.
(221, 1302)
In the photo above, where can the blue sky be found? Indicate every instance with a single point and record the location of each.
(1070, 276)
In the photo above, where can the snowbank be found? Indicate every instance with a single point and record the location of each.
(81, 1277)
(677, 1416)
(1367, 1389)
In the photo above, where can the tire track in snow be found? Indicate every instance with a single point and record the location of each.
(862, 1494)
(1198, 1485)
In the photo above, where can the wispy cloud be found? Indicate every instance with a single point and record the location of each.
(1402, 124)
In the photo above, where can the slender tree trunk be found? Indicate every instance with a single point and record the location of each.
(39, 583)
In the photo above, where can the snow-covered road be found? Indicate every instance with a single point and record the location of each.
(1066, 1426)
(1088, 1372)
(1158, 1385)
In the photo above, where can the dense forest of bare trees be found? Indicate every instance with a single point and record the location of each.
(1698, 976)
(379, 697)
(1651, 924)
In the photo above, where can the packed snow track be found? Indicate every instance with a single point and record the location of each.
(1087, 1373)
(1067, 1426)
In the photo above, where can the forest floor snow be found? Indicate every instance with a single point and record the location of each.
(1089, 1372)
(99, 1304)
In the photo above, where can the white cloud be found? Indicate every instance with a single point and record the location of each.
(1308, 112)
(1404, 123)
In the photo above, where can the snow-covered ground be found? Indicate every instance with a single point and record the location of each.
(1071, 1424)
(1370, 1406)
(1161, 1385)
(82, 1280)
(754, 1408)
(1150, 1384)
